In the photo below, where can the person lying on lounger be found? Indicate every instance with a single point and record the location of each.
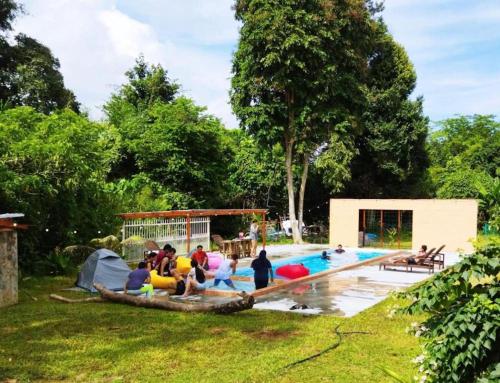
(411, 260)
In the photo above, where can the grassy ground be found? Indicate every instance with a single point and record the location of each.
(45, 341)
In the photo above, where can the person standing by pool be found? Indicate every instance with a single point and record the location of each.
(262, 271)
(254, 236)
(224, 271)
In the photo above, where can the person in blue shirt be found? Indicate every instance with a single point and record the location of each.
(262, 270)
(139, 282)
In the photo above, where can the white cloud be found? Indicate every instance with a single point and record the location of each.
(96, 43)
(453, 44)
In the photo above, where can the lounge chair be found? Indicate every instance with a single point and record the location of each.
(426, 262)
(439, 257)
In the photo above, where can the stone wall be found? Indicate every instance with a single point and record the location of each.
(8, 268)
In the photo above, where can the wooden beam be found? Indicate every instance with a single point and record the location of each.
(192, 213)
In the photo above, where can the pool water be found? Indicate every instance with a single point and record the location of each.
(240, 286)
(315, 264)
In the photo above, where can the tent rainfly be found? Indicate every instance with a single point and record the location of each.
(106, 267)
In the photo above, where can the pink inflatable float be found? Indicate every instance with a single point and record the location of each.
(292, 271)
(214, 260)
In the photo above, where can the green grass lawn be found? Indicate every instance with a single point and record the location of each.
(45, 340)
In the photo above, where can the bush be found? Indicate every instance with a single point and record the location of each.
(460, 336)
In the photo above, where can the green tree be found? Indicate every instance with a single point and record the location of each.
(256, 176)
(170, 142)
(392, 157)
(36, 80)
(297, 73)
(29, 73)
(52, 169)
(464, 159)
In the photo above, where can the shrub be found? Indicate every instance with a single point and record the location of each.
(461, 342)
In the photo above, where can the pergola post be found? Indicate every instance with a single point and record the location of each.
(188, 233)
(264, 231)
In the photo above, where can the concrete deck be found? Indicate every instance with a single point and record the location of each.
(345, 293)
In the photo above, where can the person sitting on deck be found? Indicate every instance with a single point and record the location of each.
(196, 280)
(262, 267)
(339, 249)
(201, 257)
(139, 282)
(324, 255)
(161, 255)
(411, 260)
(223, 273)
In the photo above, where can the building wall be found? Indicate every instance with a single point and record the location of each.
(8, 268)
(452, 222)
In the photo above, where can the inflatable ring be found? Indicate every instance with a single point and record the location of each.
(292, 271)
(183, 265)
(214, 261)
(162, 282)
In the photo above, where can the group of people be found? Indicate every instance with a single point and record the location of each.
(165, 263)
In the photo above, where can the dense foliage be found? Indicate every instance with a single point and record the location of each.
(391, 158)
(465, 162)
(29, 73)
(462, 333)
(52, 169)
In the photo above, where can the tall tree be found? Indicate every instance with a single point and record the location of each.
(297, 73)
(29, 73)
(392, 158)
(168, 143)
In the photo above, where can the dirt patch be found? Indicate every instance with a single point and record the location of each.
(271, 334)
(217, 330)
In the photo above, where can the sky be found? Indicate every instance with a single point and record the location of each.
(454, 45)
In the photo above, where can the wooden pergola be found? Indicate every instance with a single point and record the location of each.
(188, 217)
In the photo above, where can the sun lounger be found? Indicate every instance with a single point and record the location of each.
(439, 257)
(426, 262)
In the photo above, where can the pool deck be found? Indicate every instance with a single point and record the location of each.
(347, 292)
(344, 291)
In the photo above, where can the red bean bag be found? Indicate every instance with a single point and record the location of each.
(292, 271)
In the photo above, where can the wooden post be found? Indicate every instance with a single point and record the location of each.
(8, 267)
(364, 226)
(399, 229)
(382, 227)
(188, 233)
(264, 231)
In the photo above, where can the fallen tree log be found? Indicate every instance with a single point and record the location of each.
(244, 303)
(69, 300)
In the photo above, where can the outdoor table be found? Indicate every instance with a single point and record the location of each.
(240, 247)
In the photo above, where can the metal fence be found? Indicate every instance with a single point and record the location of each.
(164, 230)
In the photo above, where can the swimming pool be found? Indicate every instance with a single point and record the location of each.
(315, 264)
